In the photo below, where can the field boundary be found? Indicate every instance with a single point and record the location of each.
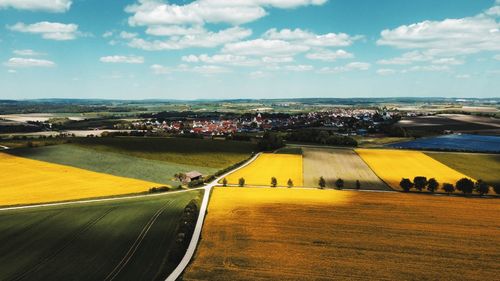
(388, 186)
(193, 244)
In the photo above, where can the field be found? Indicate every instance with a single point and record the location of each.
(428, 125)
(462, 142)
(478, 166)
(266, 166)
(117, 164)
(26, 181)
(393, 165)
(332, 164)
(292, 234)
(88, 241)
(215, 154)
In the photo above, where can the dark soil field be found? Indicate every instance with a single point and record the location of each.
(129, 239)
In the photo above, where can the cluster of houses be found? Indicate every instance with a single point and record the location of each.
(343, 120)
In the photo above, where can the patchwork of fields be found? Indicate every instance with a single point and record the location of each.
(266, 166)
(393, 165)
(89, 241)
(297, 234)
(117, 164)
(332, 164)
(27, 181)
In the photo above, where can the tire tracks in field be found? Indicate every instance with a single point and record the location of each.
(135, 246)
(33, 268)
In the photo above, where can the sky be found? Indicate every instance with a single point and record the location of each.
(230, 49)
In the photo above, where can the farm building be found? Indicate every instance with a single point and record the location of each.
(193, 175)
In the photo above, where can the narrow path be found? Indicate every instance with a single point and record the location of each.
(199, 224)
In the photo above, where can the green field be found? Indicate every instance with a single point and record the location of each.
(215, 154)
(88, 241)
(478, 166)
(117, 164)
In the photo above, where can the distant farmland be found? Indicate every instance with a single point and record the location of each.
(332, 164)
(297, 234)
(214, 154)
(88, 241)
(112, 163)
(26, 181)
(393, 165)
(266, 166)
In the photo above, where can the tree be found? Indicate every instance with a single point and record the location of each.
(322, 182)
(448, 188)
(432, 185)
(496, 188)
(419, 182)
(465, 185)
(358, 184)
(241, 182)
(274, 182)
(271, 141)
(482, 187)
(180, 176)
(289, 183)
(406, 184)
(339, 183)
(224, 182)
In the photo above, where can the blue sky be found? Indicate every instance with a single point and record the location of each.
(138, 49)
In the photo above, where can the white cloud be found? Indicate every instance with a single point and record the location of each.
(385, 71)
(207, 39)
(299, 68)
(202, 69)
(353, 66)
(27, 53)
(463, 76)
(427, 68)
(407, 58)
(12, 71)
(221, 59)
(107, 34)
(24, 62)
(327, 55)
(122, 59)
(497, 57)
(310, 39)
(174, 30)
(467, 35)
(263, 47)
(56, 6)
(127, 35)
(448, 61)
(199, 12)
(48, 30)
(257, 74)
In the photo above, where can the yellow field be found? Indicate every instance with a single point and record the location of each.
(26, 181)
(312, 234)
(266, 166)
(393, 165)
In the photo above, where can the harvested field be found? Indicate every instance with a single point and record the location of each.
(292, 234)
(88, 241)
(116, 164)
(266, 166)
(478, 166)
(333, 164)
(27, 181)
(393, 165)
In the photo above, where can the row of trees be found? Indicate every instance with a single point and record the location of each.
(274, 182)
(339, 183)
(465, 185)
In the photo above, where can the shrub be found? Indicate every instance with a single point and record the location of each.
(419, 182)
(195, 183)
(274, 182)
(322, 182)
(432, 185)
(289, 183)
(339, 183)
(448, 188)
(482, 187)
(358, 184)
(406, 184)
(465, 185)
(224, 182)
(496, 188)
(241, 182)
(159, 189)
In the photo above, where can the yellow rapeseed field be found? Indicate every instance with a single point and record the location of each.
(27, 181)
(393, 165)
(266, 166)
